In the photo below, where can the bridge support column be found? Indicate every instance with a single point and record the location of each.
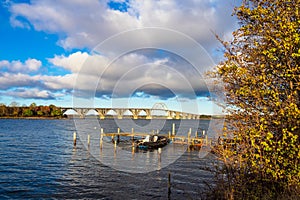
(81, 111)
(177, 115)
(148, 112)
(170, 114)
(120, 113)
(102, 113)
(135, 113)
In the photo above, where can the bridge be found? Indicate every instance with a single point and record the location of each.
(158, 111)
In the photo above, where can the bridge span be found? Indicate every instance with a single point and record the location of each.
(158, 111)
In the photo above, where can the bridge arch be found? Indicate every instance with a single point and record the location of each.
(159, 106)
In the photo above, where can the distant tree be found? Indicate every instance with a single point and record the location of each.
(55, 111)
(27, 113)
(261, 74)
(32, 105)
(3, 110)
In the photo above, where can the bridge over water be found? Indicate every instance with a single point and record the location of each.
(158, 111)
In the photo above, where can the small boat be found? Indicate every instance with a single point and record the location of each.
(152, 142)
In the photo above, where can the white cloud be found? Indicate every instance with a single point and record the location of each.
(72, 62)
(130, 73)
(30, 65)
(85, 23)
(10, 80)
(31, 94)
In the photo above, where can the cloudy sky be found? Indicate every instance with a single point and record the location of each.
(120, 53)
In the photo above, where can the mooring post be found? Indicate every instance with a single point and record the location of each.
(101, 141)
(132, 131)
(173, 129)
(74, 138)
(118, 130)
(101, 137)
(169, 185)
(169, 134)
(88, 139)
(206, 140)
(189, 139)
(133, 150)
(159, 154)
(196, 134)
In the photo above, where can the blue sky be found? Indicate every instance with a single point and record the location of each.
(52, 52)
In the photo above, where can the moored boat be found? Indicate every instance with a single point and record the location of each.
(152, 142)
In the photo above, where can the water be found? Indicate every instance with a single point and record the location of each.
(38, 161)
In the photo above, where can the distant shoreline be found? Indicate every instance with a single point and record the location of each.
(34, 118)
(66, 118)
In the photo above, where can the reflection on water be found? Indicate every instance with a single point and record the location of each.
(38, 160)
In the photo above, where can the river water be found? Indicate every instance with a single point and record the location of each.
(38, 161)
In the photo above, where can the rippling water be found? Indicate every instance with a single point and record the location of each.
(38, 160)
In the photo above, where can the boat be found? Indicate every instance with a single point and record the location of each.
(152, 142)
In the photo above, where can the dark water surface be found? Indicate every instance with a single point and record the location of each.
(38, 161)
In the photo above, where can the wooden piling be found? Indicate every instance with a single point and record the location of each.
(173, 129)
(74, 138)
(189, 139)
(101, 141)
(132, 131)
(169, 185)
(88, 140)
(159, 154)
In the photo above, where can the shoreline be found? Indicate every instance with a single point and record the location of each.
(67, 118)
(35, 118)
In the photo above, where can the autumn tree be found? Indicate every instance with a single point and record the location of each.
(261, 76)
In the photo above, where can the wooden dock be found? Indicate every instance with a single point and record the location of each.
(193, 142)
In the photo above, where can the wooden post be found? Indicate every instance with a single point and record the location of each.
(74, 138)
(115, 144)
(196, 134)
(206, 140)
(203, 133)
(159, 154)
(118, 130)
(169, 185)
(133, 150)
(101, 141)
(101, 137)
(189, 139)
(169, 134)
(88, 140)
(132, 131)
(173, 129)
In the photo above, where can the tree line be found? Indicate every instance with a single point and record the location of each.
(14, 110)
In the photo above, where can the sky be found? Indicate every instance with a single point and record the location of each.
(119, 53)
